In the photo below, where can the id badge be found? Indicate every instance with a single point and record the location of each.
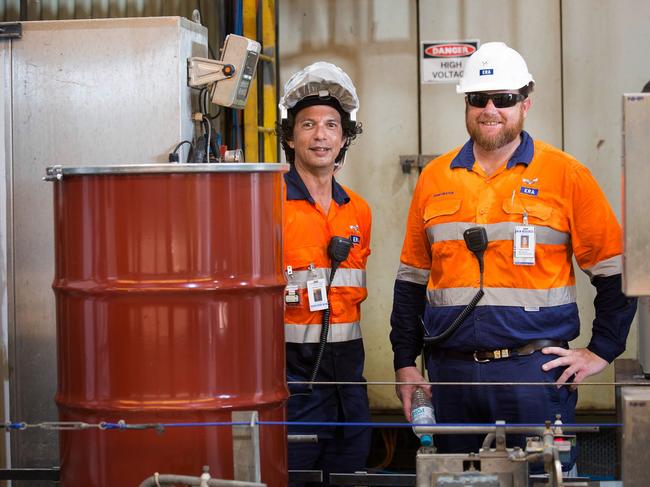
(317, 294)
(524, 241)
(291, 296)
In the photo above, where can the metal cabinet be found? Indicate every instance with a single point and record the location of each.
(79, 92)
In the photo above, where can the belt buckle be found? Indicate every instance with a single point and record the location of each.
(476, 359)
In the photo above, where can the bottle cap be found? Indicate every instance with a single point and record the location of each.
(426, 440)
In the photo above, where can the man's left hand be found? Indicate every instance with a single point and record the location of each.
(580, 363)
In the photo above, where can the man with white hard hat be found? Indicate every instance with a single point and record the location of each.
(540, 208)
(326, 246)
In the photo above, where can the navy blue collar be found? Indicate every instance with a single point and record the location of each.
(296, 189)
(522, 155)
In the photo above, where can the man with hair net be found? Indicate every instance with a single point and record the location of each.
(322, 329)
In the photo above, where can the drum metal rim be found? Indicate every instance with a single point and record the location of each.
(57, 172)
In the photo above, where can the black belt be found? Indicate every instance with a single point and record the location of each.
(501, 353)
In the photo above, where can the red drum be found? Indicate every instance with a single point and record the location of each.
(169, 301)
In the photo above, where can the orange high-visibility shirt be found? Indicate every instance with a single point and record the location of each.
(541, 187)
(307, 233)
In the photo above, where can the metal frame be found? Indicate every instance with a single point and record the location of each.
(246, 447)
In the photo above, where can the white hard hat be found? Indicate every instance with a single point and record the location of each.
(494, 66)
(324, 80)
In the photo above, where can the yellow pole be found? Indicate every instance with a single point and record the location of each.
(269, 80)
(251, 146)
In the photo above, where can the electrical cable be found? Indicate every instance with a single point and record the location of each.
(173, 155)
(476, 241)
(338, 251)
(389, 437)
(208, 129)
(207, 117)
(431, 340)
(202, 93)
(204, 104)
(209, 134)
(178, 146)
(212, 117)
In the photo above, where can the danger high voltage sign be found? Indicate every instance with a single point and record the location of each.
(444, 61)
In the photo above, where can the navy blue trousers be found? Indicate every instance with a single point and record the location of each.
(487, 404)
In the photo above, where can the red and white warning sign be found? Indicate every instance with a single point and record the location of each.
(444, 61)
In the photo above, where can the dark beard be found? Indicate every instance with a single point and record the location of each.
(507, 135)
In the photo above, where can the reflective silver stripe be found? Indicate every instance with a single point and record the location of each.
(338, 332)
(607, 267)
(495, 231)
(343, 277)
(413, 274)
(500, 296)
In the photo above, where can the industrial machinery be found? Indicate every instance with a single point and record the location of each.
(633, 402)
(636, 173)
(230, 77)
(499, 466)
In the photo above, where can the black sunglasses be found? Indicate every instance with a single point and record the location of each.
(500, 100)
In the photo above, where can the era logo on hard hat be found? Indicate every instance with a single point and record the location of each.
(486, 72)
(443, 50)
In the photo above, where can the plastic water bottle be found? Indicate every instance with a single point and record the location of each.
(422, 413)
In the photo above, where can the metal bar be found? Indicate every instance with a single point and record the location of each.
(251, 143)
(299, 476)
(468, 430)
(56, 173)
(11, 31)
(302, 438)
(269, 79)
(276, 55)
(372, 479)
(393, 383)
(246, 447)
(255, 442)
(30, 473)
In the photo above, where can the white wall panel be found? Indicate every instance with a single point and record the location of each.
(529, 26)
(606, 53)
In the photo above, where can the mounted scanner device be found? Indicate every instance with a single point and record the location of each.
(230, 77)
